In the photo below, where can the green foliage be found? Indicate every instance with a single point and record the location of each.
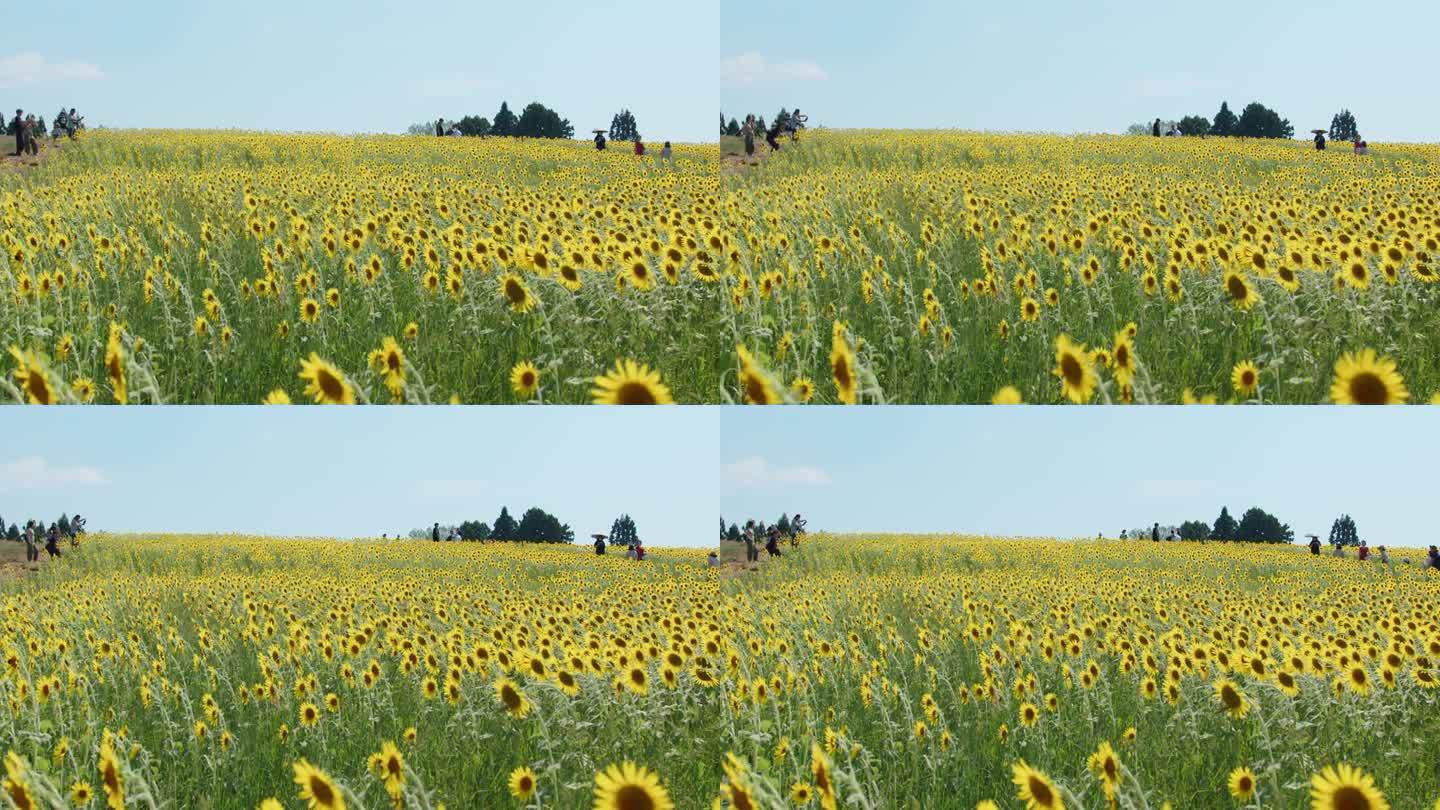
(504, 527)
(733, 533)
(732, 129)
(63, 524)
(1225, 526)
(1343, 533)
(1343, 128)
(1259, 526)
(1259, 121)
(784, 524)
(623, 127)
(1194, 530)
(1225, 121)
(539, 121)
(623, 533)
(474, 126)
(474, 530)
(504, 122)
(13, 533)
(1194, 125)
(539, 526)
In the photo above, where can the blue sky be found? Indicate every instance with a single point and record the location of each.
(350, 472)
(363, 66)
(1072, 472)
(1060, 66)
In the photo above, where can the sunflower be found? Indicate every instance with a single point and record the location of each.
(1035, 788)
(1072, 366)
(309, 310)
(842, 366)
(276, 397)
(801, 794)
(317, 788)
(110, 779)
(1105, 764)
(325, 383)
(821, 769)
(522, 782)
(1029, 310)
(32, 378)
(524, 379)
(516, 294)
(309, 714)
(115, 364)
(802, 389)
(1365, 378)
(1122, 357)
(1239, 291)
(81, 793)
(1242, 783)
(1245, 376)
(389, 766)
(755, 385)
(630, 383)
(1007, 395)
(1231, 698)
(1345, 788)
(511, 698)
(630, 787)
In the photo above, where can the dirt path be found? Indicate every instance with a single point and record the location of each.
(9, 161)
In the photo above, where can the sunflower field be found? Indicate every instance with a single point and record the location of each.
(219, 267)
(193, 671)
(923, 671)
(950, 267)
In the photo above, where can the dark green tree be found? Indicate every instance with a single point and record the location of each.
(1343, 128)
(733, 128)
(1259, 121)
(539, 526)
(622, 531)
(1194, 530)
(13, 533)
(504, 526)
(733, 533)
(63, 524)
(623, 127)
(782, 119)
(505, 121)
(1194, 125)
(474, 126)
(1259, 526)
(1225, 526)
(539, 121)
(784, 525)
(473, 530)
(722, 123)
(1343, 533)
(1225, 121)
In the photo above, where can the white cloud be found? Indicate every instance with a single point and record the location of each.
(30, 68)
(757, 472)
(34, 472)
(749, 68)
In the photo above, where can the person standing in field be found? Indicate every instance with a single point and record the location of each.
(1433, 560)
(1384, 556)
(52, 542)
(1155, 533)
(639, 148)
(600, 142)
(1315, 544)
(748, 132)
(1320, 142)
(435, 532)
(751, 555)
(599, 545)
(1364, 553)
(1155, 128)
(666, 156)
(439, 127)
(17, 125)
(1339, 551)
(32, 553)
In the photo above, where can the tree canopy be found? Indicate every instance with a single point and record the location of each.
(1225, 526)
(1225, 121)
(1343, 532)
(1259, 526)
(1259, 121)
(1343, 128)
(623, 532)
(623, 127)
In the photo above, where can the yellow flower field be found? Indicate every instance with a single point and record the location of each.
(922, 671)
(192, 671)
(198, 267)
(949, 267)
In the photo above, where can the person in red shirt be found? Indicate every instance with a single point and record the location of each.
(639, 147)
(1364, 551)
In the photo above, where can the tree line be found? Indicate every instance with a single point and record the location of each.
(15, 530)
(733, 533)
(535, 121)
(534, 526)
(1255, 121)
(1255, 526)
(732, 126)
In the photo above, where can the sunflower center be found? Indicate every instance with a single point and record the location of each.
(330, 386)
(1237, 288)
(633, 797)
(1041, 792)
(1071, 370)
(1350, 797)
(635, 393)
(321, 791)
(1368, 389)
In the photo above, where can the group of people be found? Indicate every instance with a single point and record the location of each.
(35, 534)
(1381, 555)
(667, 155)
(790, 125)
(1358, 144)
(28, 132)
(636, 551)
(752, 535)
